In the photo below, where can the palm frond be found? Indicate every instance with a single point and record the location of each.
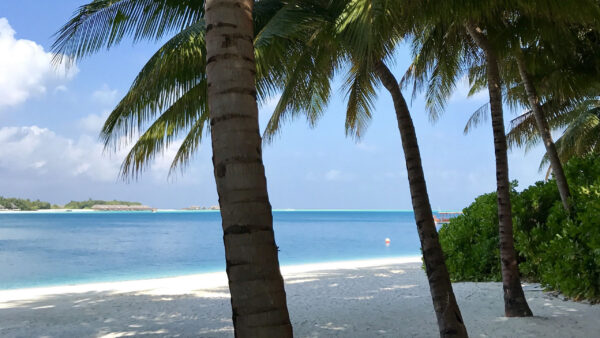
(190, 144)
(307, 88)
(174, 70)
(178, 119)
(478, 117)
(360, 87)
(104, 23)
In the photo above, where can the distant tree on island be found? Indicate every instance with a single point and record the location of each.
(89, 203)
(12, 203)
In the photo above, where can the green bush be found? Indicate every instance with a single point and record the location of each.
(470, 242)
(558, 249)
(563, 252)
(531, 209)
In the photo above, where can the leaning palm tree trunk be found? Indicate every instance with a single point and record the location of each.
(515, 304)
(544, 130)
(448, 314)
(257, 294)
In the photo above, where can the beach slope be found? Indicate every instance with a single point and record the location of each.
(386, 298)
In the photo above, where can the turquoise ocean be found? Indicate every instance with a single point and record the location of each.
(45, 249)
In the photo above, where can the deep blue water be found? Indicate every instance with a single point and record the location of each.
(50, 249)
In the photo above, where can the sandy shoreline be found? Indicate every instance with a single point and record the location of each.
(186, 283)
(387, 298)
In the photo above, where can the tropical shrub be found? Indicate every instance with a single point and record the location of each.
(531, 209)
(561, 250)
(470, 242)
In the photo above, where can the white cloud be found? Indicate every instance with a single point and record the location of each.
(33, 152)
(41, 152)
(93, 123)
(26, 69)
(105, 95)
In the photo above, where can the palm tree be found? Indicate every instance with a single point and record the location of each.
(445, 48)
(257, 292)
(363, 34)
(544, 130)
(515, 304)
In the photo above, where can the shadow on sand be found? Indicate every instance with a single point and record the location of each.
(391, 301)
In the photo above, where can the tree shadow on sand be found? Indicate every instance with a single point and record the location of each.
(391, 301)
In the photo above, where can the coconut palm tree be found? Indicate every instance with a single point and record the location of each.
(445, 48)
(360, 37)
(544, 130)
(258, 296)
(515, 304)
(257, 293)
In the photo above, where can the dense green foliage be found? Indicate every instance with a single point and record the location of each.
(470, 242)
(23, 204)
(560, 250)
(90, 203)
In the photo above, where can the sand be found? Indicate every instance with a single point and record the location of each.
(374, 298)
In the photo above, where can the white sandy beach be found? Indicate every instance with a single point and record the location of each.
(386, 298)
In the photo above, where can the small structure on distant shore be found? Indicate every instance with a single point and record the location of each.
(214, 207)
(108, 207)
(12, 207)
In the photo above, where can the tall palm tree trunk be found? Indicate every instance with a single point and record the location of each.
(515, 304)
(544, 130)
(448, 314)
(257, 293)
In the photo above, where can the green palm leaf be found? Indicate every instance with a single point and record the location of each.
(104, 23)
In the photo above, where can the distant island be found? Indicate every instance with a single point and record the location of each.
(16, 204)
(21, 204)
(89, 204)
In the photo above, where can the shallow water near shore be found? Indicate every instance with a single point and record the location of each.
(45, 249)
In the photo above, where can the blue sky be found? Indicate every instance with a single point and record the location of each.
(50, 119)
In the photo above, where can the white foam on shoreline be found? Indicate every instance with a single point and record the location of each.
(187, 283)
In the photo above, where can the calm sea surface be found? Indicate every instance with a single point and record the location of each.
(63, 248)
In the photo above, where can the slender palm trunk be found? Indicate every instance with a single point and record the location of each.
(257, 294)
(515, 304)
(544, 130)
(449, 319)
